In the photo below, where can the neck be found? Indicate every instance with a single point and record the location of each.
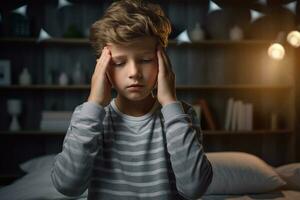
(135, 108)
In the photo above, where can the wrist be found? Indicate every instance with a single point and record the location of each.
(96, 101)
(173, 100)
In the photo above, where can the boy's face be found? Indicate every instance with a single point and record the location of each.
(134, 68)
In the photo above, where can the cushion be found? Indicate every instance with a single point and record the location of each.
(35, 185)
(37, 163)
(241, 173)
(290, 173)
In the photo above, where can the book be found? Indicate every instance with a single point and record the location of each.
(208, 117)
(249, 116)
(240, 116)
(229, 112)
(233, 125)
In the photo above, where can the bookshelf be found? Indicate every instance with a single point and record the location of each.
(213, 69)
(192, 89)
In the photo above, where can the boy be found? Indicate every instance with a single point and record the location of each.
(137, 145)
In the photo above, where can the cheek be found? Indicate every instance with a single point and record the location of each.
(152, 74)
(113, 76)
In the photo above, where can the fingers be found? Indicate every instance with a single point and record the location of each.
(161, 65)
(164, 61)
(109, 79)
(103, 62)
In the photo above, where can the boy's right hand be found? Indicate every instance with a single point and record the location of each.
(101, 86)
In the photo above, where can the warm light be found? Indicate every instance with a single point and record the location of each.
(276, 51)
(294, 38)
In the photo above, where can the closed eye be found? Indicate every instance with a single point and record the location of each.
(118, 64)
(147, 60)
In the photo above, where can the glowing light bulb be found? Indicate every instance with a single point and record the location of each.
(276, 51)
(294, 38)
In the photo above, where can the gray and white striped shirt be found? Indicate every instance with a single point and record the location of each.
(116, 156)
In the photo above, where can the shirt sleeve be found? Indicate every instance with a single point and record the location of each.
(73, 166)
(192, 169)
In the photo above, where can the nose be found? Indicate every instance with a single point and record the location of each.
(134, 71)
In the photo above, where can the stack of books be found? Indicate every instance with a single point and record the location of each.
(239, 116)
(57, 121)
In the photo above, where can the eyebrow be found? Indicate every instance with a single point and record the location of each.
(118, 57)
(139, 54)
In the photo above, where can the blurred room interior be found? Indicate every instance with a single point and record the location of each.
(235, 61)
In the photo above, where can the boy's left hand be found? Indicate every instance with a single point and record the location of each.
(166, 92)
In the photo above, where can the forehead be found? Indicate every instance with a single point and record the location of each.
(137, 46)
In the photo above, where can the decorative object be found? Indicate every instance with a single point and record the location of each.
(21, 10)
(5, 72)
(255, 15)
(25, 77)
(197, 34)
(20, 24)
(236, 33)
(292, 6)
(183, 37)
(263, 2)
(63, 3)
(78, 75)
(43, 35)
(213, 7)
(14, 108)
(63, 79)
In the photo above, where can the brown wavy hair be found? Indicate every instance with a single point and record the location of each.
(126, 20)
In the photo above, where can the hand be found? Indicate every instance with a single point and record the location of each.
(166, 92)
(101, 86)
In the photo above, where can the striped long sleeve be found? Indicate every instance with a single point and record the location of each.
(116, 156)
(73, 166)
(193, 172)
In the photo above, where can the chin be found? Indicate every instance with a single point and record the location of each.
(137, 97)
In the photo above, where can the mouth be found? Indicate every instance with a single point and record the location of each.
(135, 86)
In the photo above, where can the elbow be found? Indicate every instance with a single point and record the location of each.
(66, 188)
(198, 187)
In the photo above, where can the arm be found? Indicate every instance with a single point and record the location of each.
(73, 166)
(193, 172)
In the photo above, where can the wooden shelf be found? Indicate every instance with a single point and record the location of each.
(221, 43)
(85, 41)
(45, 87)
(55, 41)
(179, 87)
(235, 87)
